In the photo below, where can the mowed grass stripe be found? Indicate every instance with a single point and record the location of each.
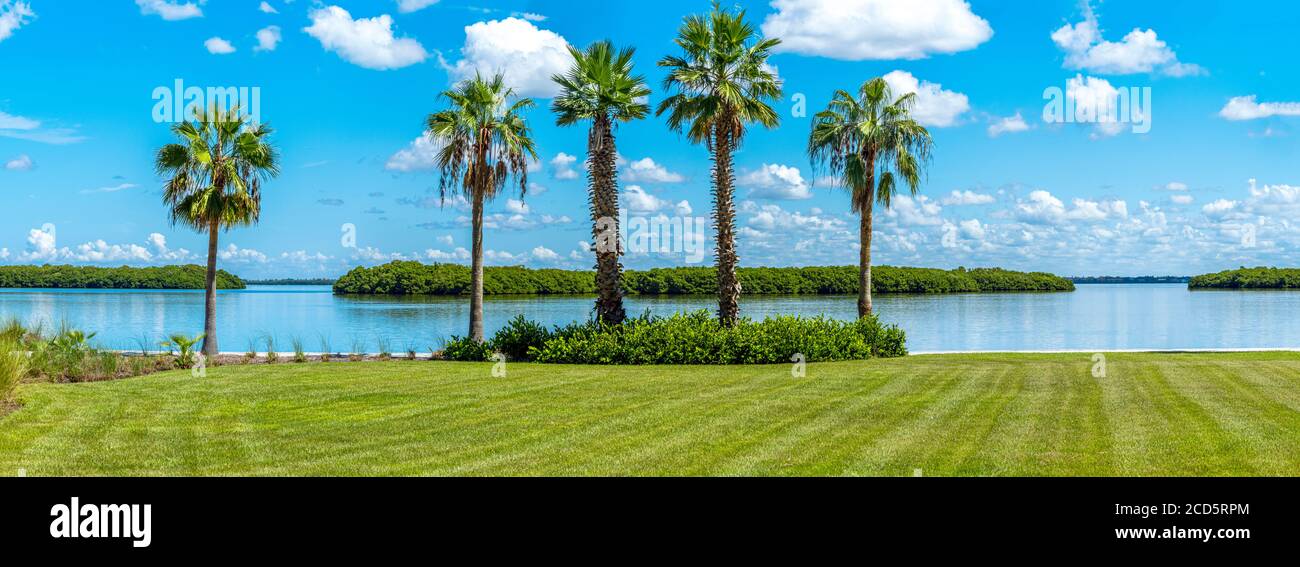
(1153, 414)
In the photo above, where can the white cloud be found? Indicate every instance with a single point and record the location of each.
(967, 197)
(639, 201)
(515, 206)
(13, 15)
(915, 211)
(1247, 108)
(170, 10)
(776, 181)
(41, 247)
(420, 154)
(11, 122)
(1009, 124)
(1139, 52)
(1219, 208)
(545, 254)
(267, 8)
(20, 163)
(1044, 208)
(218, 46)
(562, 166)
(972, 229)
(645, 170)
(1095, 101)
(459, 254)
(526, 55)
(268, 38)
(934, 106)
(857, 30)
(366, 42)
(239, 255)
(1182, 199)
(1175, 186)
(408, 6)
(111, 189)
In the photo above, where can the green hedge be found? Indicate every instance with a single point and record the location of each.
(1249, 278)
(691, 338)
(414, 278)
(125, 277)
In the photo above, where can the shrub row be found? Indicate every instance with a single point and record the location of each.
(125, 277)
(691, 338)
(414, 278)
(1248, 278)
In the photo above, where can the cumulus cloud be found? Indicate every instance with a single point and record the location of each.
(1042, 207)
(1248, 108)
(934, 106)
(267, 8)
(169, 10)
(966, 197)
(268, 38)
(562, 166)
(857, 30)
(527, 55)
(1140, 51)
(42, 247)
(1182, 199)
(20, 163)
(776, 181)
(13, 15)
(1096, 102)
(365, 42)
(421, 154)
(645, 170)
(218, 46)
(235, 254)
(1007, 125)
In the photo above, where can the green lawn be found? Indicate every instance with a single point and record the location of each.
(1154, 414)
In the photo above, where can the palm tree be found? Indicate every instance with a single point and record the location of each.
(601, 88)
(484, 143)
(870, 143)
(722, 84)
(214, 182)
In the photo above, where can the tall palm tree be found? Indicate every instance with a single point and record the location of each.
(214, 182)
(722, 84)
(601, 88)
(485, 142)
(870, 144)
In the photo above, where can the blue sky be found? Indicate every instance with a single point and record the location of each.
(346, 85)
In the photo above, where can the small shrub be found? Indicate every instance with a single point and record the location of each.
(384, 348)
(325, 349)
(358, 351)
(251, 354)
(518, 337)
(467, 350)
(184, 346)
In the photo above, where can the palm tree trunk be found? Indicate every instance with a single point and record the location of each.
(864, 267)
(724, 220)
(603, 183)
(210, 296)
(476, 274)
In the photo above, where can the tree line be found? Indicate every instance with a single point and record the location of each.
(125, 277)
(415, 278)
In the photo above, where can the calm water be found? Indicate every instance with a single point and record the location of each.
(1094, 317)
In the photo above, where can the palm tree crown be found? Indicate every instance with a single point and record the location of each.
(485, 138)
(601, 88)
(722, 80)
(870, 142)
(215, 173)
